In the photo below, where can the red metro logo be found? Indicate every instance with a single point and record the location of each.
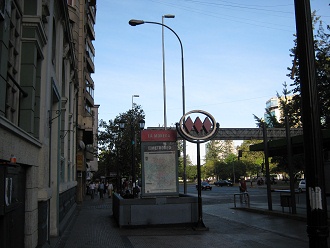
(192, 128)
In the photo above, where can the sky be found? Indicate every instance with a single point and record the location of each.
(236, 54)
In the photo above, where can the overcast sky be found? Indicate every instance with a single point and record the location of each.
(236, 55)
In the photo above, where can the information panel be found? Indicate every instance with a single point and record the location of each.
(159, 163)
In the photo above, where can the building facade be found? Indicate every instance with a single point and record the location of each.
(42, 91)
(83, 18)
(273, 106)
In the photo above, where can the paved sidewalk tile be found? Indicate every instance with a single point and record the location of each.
(93, 226)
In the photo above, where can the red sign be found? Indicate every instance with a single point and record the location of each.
(158, 135)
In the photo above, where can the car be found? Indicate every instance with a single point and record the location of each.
(204, 186)
(302, 186)
(223, 183)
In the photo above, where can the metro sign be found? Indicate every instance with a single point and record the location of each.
(197, 130)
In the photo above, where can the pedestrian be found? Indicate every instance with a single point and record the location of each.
(242, 189)
(101, 189)
(110, 189)
(242, 186)
(92, 189)
(97, 187)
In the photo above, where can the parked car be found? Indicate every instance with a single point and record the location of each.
(302, 186)
(204, 186)
(223, 183)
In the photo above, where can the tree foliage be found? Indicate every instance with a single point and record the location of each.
(221, 160)
(115, 145)
(322, 62)
(291, 107)
(191, 171)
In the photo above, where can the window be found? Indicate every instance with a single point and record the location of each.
(88, 108)
(90, 89)
(272, 103)
(62, 171)
(54, 43)
(2, 9)
(71, 2)
(89, 52)
(69, 171)
(13, 89)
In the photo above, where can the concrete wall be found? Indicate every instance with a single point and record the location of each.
(155, 211)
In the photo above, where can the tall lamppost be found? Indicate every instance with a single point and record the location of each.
(117, 145)
(163, 53)
(133, 144)
(134, 22)
(132, 100)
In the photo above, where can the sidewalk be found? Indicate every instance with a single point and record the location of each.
(93, 226)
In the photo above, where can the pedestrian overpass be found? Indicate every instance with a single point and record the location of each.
(250, 133)
(254, 133)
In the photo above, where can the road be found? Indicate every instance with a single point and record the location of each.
(222, 195)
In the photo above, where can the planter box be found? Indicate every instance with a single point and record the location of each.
(155, 211)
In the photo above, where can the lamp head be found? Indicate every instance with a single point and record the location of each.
(141, 124)
(134, 22)
(169, 16)
(122, 123)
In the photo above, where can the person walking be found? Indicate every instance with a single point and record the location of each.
(92, 189)
(97, 187)
(101, 189)
(110, 189)
(242, 186)
(242, 189)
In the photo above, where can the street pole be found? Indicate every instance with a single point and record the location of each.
(133, 145)
(164, 84)
(269, 192)
(133, 155)
(317, 226)
(163, 56)
(290, 165)
(200, 223)
(134, 22)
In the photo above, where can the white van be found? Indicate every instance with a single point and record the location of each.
(302, 186)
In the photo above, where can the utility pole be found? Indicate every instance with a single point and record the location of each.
(317, 226)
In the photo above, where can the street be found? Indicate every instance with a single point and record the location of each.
(222, 195)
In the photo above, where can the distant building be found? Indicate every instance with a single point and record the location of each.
(82, 18)
(273, 105)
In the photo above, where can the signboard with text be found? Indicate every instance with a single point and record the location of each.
(159, 163)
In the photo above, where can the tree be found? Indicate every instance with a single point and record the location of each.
(322, 61)
(191, 172)
(216, 153)
(213, 150)
(188, 167)
(253, 160)
(115, 144)
(292, 107)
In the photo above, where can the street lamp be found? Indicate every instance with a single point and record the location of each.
(163, 53)
(134, 22)
(132, 99)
